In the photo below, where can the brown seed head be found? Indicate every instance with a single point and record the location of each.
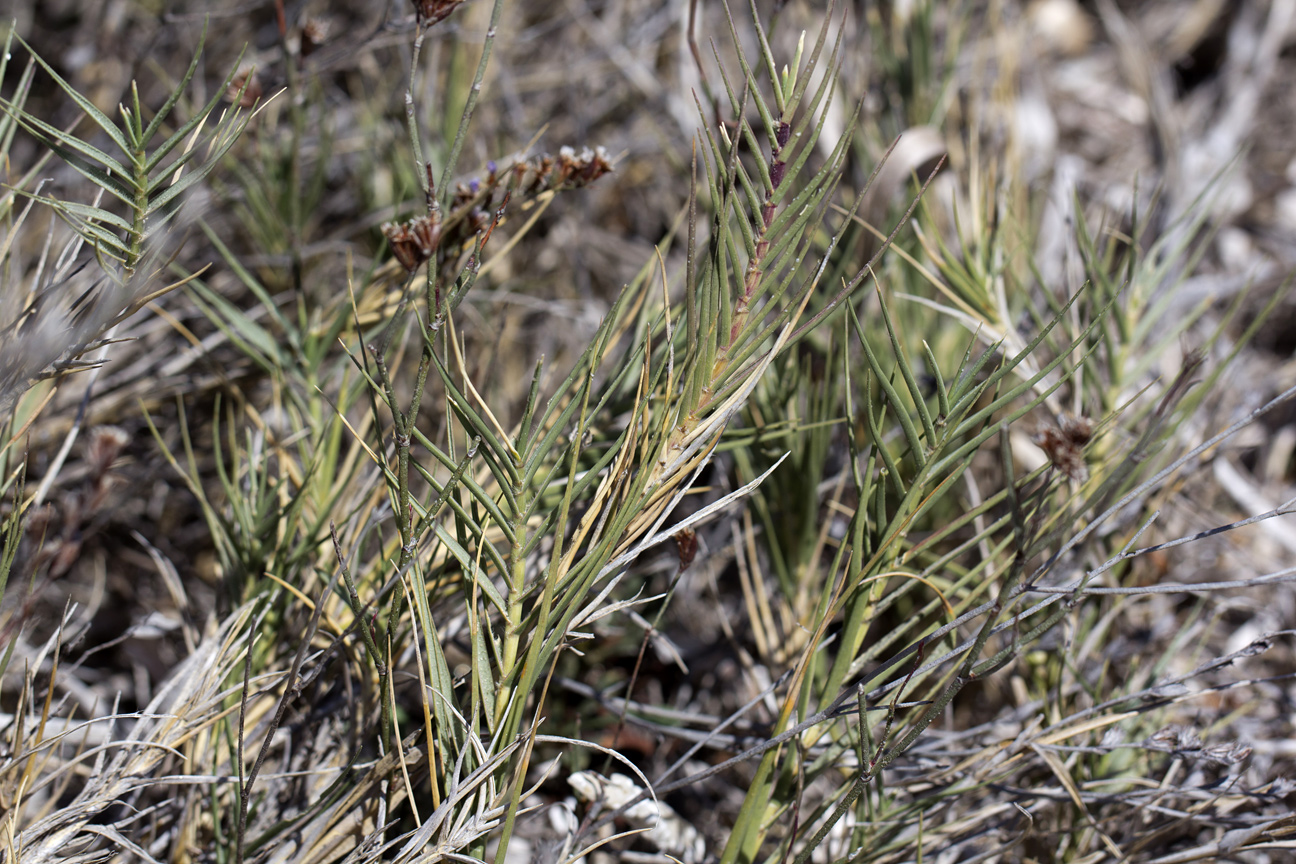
(414, 241)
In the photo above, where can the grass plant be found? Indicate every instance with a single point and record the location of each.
(850, 505)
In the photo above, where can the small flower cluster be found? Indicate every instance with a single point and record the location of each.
(1064, 445)
(245, 89)
(570, 170)
(430, 12)
(687, 541)
(414, 242)
(542, 173)
(315, 33)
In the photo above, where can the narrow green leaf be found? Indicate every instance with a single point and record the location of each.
(906, 370)
(916, 449)
(134, 130)
(90, 213)
(465, 560)
(254, 285)
(876, 435)
(942, 395)
(803, 145)
(76, 152)
(197, 173)
(528, 412)
(231, 126)
(101, 120)
(248, 336)
(161, 115)
(767, 116)
(440, 681)
(771, 65)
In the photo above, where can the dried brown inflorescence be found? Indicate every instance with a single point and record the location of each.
(430, 12)
(568, 170)
(315, 33)
(245, 90)
(1064, 445)
(687, 542)
(415, 241)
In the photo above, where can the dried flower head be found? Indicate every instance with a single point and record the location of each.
(687, 542)
(569, 170)
(413, 242)
(1079, 430)
(580, 169)
(430, 12)
(314, 34)
(245, 89)
(1064, 445)
(105, 445)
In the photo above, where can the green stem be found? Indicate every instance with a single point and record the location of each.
(474, 93)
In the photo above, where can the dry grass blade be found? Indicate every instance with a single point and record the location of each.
(123, 767)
